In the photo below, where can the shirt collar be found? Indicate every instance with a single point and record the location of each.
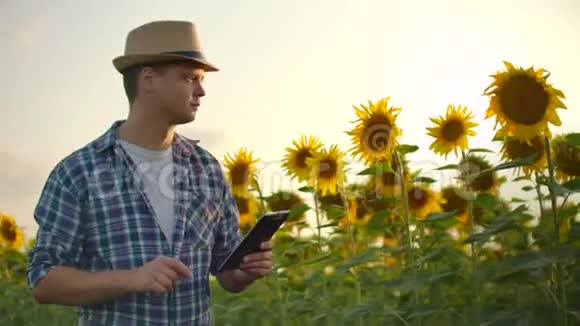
(180, 144)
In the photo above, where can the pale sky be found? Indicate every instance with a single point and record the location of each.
(286, 67)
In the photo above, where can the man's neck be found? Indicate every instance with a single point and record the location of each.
(150, 134)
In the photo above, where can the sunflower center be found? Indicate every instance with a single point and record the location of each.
(376, 134)
(240, 175)
(452, 130)
(243, 205)
(8, 232)
(453, 201)
(335, 199)
(567, 159)
(474, 169)
(391, 179)
(283, 201)
(301, 157)
(418, 198)
(361, 209)
(517, 149)
(523, 100)
(328, 169)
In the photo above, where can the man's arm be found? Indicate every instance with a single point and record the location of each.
(52, 273)
(67, 285)
(70, 286)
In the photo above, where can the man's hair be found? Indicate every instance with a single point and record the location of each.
(130, 82)
(131, 77)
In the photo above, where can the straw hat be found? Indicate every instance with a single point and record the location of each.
(162, 41)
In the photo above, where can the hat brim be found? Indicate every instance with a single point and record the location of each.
(123, 62)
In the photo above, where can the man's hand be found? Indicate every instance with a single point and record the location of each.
(159, 275)
(254, 266)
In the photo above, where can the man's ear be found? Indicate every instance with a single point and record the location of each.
(146, 79)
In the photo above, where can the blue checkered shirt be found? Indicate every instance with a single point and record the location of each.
(93, 215)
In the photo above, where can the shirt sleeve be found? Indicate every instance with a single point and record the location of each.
(58, 238)
(227, 234)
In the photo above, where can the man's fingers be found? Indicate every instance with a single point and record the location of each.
(256, 264)
(163, 280)
(258, 271)
(264, 255)
(171, 273)
(267, 245)
(179, 267)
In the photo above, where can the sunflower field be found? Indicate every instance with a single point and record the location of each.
(400, 247)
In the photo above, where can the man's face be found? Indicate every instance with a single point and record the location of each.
(177, 90)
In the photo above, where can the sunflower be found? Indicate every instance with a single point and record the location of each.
(285, 200)
(327, 170)
(241, 169)
(523, 102)
(358, 213)
(388, 184)
(247, 207)
(11, 235)
(376, 134)
(451, 131)
(513, 149)
(566, 158)
(471, 171)
(453, 200)
(295, 159)
(423, 201)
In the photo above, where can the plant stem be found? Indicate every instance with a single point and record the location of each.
(475, 285)
(317, 212)
(540, 200)
(259, 190)
(563, 307)
(406, 217)
(283, 312)
(319, 239)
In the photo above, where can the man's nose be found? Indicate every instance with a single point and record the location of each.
(199, 90)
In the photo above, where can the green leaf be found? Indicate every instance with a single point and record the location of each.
(329, 225)
(298, 210)
(524, 161)
(377, 169)
(568, 212)
(521, 178)
(528, 188)
(518, 200)
(416, 283)
(481, 150)
(306, 189)
(406, 149)
(439, 216)
(389, 201)
(424, 180)
(334, 211)
(573, 185)
(573, 139)
(368, 256)
(502, 223)
(448, 167)
(378, 223)
(486, 201)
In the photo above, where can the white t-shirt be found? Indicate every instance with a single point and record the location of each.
(156, 170)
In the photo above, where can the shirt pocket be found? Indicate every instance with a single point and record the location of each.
(112, 187)
(200, 222)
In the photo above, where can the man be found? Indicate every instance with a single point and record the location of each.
(132, 224)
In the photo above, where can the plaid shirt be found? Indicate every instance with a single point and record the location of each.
(91, 214)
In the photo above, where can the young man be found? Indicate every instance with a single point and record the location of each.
(132, 224)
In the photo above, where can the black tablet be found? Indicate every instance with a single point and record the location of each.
(262, 231)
